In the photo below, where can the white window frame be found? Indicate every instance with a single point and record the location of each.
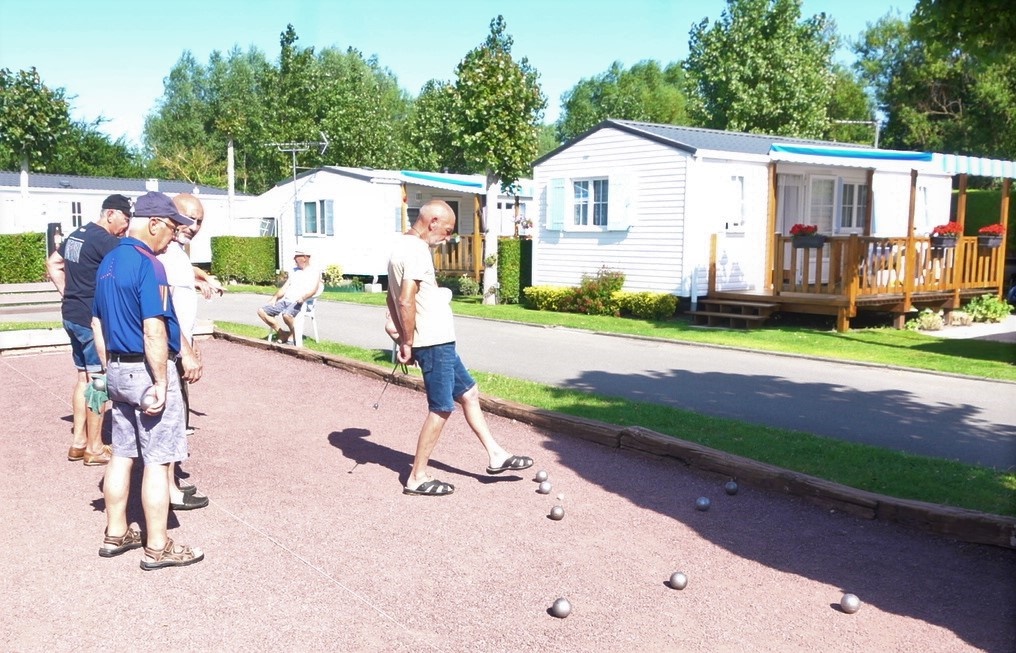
(856, 209)
(594, 207)
(826, 224)
(319, 211)
(76, 215)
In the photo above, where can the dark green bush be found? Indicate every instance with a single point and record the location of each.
(245, 259)
(463, 285)
(509, 251)
(22, 258)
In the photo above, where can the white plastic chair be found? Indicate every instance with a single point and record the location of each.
(306, 312)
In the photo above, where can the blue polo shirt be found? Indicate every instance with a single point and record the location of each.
(130, 287)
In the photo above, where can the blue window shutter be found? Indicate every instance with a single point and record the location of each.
(620, 202)
(556, 205)
(329, 217)
(298, 218)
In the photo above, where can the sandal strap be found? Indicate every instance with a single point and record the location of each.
(128, 537)
(170, 552)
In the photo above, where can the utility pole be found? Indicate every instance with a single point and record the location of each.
(292, 149)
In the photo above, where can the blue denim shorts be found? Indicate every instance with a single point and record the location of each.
(444, 376)
(83, 347)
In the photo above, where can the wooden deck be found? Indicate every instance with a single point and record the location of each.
(853, 273)
(464, 257)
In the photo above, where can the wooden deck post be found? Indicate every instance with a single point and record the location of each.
(712, 265)
(869, 179)
(477, 240)
(1003, 218)
(961, 219)
(911, 276)
(771, 223)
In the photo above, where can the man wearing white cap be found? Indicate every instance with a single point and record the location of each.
(303, 283)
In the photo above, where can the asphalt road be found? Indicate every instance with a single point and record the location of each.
(963, 419)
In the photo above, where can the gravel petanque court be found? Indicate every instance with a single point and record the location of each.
(310, 544)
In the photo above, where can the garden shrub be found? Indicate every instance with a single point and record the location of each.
(926, 320)
(332, 275)
(594, 296)
(245, 259)
(509, 252)
(22, 258)
(988, 308)
(646, 305)
(546, 298)
(468, 286)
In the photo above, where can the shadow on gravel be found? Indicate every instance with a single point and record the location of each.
(904, 572)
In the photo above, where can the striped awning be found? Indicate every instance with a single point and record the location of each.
(958, 164)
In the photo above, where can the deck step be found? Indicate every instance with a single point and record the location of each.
(729, 320)
(732, 313)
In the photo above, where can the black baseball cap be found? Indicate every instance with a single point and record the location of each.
(117, 203)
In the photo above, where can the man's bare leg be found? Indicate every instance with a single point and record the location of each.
(429, 435)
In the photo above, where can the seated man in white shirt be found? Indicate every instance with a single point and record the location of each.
(303, 283)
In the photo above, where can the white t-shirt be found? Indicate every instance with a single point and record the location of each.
(301, 283)
(180, 277)
(412, 260)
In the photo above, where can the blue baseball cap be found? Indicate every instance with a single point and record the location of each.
(158, 205)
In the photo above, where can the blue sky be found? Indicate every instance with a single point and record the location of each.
(111, 55)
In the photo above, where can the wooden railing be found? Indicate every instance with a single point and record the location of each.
(457, 258)
(863, 266)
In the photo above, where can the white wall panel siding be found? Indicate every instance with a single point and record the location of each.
(650, 251)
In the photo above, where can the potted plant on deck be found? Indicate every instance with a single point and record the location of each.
(806, 236)
(990, 235)
(945, 235)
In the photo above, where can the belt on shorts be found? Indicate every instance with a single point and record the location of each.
(114, 357)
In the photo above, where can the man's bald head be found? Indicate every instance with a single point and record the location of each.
(436, 222)
(191, 207)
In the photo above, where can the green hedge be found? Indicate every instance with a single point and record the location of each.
(646, 305)
(982, 209)
(250, 260)
(22, 258)
(509, 259)
(547, 298)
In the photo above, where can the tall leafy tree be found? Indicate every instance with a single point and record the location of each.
(848, 105)
(985, 28)
(645, 92)
(33, 118)
(85, 150)
(497, 109)
(430, 144)
(761, 69)
(937, 97)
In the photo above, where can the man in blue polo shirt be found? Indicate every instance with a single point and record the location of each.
(137, 331)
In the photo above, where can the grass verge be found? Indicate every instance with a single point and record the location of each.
(880, 346)
(861, 466)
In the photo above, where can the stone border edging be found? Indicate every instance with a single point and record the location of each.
(957, 523)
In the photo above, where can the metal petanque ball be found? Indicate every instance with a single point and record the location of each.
(149, 398)
(730, 487)
(541, 476)
(561, 608)
(678, 580)
(557, 513)
(544, 488)
(850, 603)
(702, 503)
(99, 383)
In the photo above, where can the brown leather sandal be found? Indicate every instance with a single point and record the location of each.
(114, 546)
(170, 556)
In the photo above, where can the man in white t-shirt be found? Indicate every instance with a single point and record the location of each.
(303, 283)
(424, 331)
